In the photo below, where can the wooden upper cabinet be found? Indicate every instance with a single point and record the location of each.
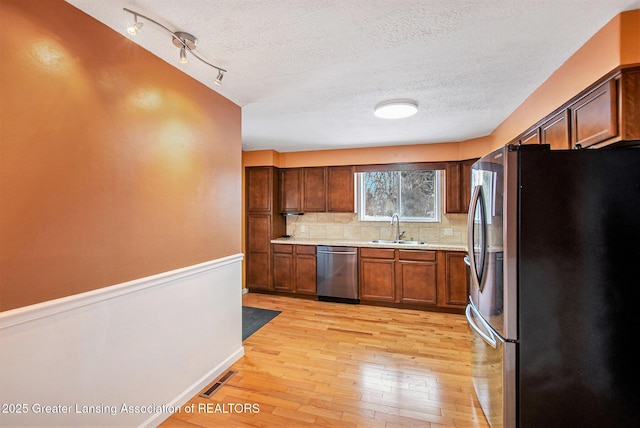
(458, 186)
(531, 137)
(453, 180)
(317, 189)
(259, 187)
(291, 190)
(314, 189)
(557, 131)
(607, 113)
(629, 96)
(340, 188)
(465, 186)
(594, 117)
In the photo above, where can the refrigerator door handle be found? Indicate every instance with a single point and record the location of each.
(491, 341)
(475, 275)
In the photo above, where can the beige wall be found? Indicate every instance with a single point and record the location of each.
(113, 164)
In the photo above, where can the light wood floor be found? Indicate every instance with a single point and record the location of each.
(340, 365)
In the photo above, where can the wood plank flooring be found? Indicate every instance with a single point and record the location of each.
(340, 365)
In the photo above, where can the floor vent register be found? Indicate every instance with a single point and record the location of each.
(218, 383)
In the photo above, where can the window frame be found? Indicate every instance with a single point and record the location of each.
(438, 198)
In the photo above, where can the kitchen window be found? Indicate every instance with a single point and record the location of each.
(414, 195)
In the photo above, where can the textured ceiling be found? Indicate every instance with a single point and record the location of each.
(307, 73)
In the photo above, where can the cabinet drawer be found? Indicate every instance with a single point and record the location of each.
(305, 249)
(417, 255)
(283, 248)
(378, 253)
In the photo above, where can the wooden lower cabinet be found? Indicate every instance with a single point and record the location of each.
(376, 272)
(453, 289)
(283, 267)
(421, 279)
(416, 277)
(305, 269)
(258, 260)
(294, 268)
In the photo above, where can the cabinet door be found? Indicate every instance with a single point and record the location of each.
(315, 189)
(417, 282)
(377, 280)
(258, 263)
(555, 131)
(594, 117)
(291, 190)
(455, 290)
(340, 188)
(283, 267)
(532, 137)
(259, 185)
(465, 186)
(416, 279)
(458, 186)
(376, 270)
(453, 177)
(305, 269)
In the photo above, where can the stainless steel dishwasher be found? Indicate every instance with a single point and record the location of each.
(337, 274)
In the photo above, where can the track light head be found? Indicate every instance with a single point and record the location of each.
(218, 80)
(183, 55)
(135, 27)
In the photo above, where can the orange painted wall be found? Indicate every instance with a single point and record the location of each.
(113, 164)
(617, 43)
(373, 155)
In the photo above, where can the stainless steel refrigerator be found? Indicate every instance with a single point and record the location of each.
(554, 310)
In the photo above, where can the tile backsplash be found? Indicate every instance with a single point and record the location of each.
(452, 228)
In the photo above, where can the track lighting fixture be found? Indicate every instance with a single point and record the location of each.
(184, 41)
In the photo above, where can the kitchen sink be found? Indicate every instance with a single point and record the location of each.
(401, 242)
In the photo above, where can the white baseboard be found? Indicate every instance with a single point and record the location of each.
(144, 345)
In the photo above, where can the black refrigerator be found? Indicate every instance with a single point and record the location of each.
(554, 305)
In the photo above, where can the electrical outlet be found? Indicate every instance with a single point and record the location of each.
(303, 228)
(448, 231)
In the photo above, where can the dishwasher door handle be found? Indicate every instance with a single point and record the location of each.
(337, 252)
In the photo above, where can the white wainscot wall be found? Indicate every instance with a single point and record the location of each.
(152, 343)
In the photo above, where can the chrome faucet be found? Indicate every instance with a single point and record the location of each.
(396, 218)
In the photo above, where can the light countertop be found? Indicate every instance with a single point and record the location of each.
(352, 243)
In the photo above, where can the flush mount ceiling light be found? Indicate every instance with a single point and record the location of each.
(396, 109)
(184, 41)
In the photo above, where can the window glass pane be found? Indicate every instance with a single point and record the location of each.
(381, 193)
(418, 191)
(414, 195)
